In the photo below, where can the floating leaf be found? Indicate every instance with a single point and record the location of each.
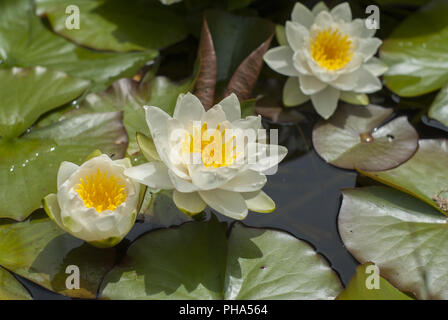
(30, 158)
(208, 68)
(197, 261)
(41, 252)
(117, 25)
(416, 52)
(22, 101)
(24, 41)
(439, 107)
(404, 237)
(350, 139)
(357, 288)
(424, 176)
(11, 288)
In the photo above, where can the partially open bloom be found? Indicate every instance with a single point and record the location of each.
(95, 202)
(328, 56)
(205, 156)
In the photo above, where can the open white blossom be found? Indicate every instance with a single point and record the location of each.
(95, 202)
(229, 184)
(328, 57)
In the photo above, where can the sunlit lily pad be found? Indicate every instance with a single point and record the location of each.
(40, 251)
(24, 41)
(416, 52)
(404, 237)
(11, 288)
(117, 25)
(351, 138)
(197, 261)
(423, 176)
(439, 107)
(30, 158)
(357, 288)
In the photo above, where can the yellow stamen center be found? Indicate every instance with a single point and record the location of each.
(215, 151)
(101, 191)
(331, 49)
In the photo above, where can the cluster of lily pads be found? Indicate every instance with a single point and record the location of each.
(86, 123)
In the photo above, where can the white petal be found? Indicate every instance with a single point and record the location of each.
(342, 12)
(368, 47)
(189, 108)
(251, 122)
(180, 184)
(326, 101)
(152, 174)
(190, 203)
(367, 82)
(310, 84)
(320, 6)
(323, 20)
(259, 202)
(375, 66)
(300, 62)
(125, 163)
(265, 157)
(157, 121)
(65, 171)
(345, 82)
(302, 15)
(231, 107)
(228, 203)
(246, 181)
(214, 116)
(280, 60)
(292, 94)
(296, 35)
(210, 178)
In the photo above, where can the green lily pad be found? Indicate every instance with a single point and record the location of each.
(22, 101)
(11, 288)
(404, 237)
(424, 176)
(42, 47)
(40, 251)
(162, 211)
(351, 139)
(31, 157)
(117, 25)
(439, 107)
(417, 51)
(357, 288)
(197, 261)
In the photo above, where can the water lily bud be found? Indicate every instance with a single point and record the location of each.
(95, 202)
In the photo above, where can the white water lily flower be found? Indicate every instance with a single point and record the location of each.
(95, 202)
(231, 186)
(328, 56)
